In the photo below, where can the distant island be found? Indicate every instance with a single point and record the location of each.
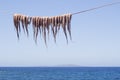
(68, 65)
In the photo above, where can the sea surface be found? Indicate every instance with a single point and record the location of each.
(59, 73)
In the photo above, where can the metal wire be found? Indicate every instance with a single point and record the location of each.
(96, 8)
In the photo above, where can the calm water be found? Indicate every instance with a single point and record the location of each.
(65, 73)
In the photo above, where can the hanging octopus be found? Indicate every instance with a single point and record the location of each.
(42, 25)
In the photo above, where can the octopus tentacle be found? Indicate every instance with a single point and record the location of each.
(69, 25)
(22, 21)
(47, 25)
(64, 27)
(33, 24)
(44, 30)
(17, 23)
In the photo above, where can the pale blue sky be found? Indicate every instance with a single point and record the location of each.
(96, 34)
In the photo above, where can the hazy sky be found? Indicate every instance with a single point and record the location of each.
(95, 34)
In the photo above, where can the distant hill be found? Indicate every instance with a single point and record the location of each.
(68, 65)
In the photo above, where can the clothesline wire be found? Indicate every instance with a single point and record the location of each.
(110, 4)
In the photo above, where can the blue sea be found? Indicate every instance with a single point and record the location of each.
(59, 73)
